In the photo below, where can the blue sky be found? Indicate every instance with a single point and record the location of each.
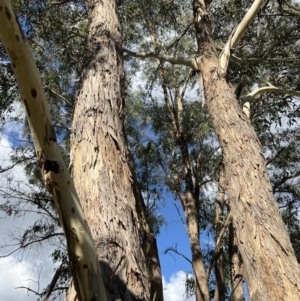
(173, 234)
(24, 270)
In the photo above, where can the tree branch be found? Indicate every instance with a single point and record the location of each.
(285, 179)
(178, 253)
(13, 165)
(59, 95)
(237, 34)
(167, 58)
(180, 37)
(271, 159)
(291, 9)
(53, 282)
(30, 290)
(24, 246)
(247, 20)
(272, 89)
(61, 2)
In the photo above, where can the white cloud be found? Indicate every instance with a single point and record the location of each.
(22, 269)
(12, 276)
(5, 148)
(16, 172)
(35, 274)
(174, 289)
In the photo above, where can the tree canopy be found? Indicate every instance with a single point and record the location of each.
(170, 130)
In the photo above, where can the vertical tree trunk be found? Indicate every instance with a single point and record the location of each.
(236, 276)
(219, 263)
(270, 266)
(99, 157)
(149, 246)
(197, 258)
(189, 197)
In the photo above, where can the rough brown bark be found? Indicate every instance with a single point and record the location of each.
(236, 268)
(100, 159)
(270, 266)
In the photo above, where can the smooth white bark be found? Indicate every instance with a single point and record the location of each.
(237, 35)
(271, 89)
(82, 254)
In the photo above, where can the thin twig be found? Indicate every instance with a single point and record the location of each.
(178, 253)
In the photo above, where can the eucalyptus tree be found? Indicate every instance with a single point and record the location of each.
(123, 272)
(262, 238)
(254, 62)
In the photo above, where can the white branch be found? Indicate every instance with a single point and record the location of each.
(246, 108)
(82, 254)
(271, 89)
(237, 34)
(167, 58)
(247, 20)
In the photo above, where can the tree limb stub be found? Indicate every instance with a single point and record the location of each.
(83, 257)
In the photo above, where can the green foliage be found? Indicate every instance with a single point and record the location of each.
(189, 286)
(268, 53)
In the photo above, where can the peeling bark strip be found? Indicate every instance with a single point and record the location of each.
(270, 266)
(100, 159)
(82, 255)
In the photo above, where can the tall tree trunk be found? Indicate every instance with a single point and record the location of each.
(236, 267)
(270, 266)
(99, 157)
(197, 258)
(190, 196)
(219, 263)
(149, 246)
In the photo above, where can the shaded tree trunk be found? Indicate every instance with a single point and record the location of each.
(236, 268)
(202, 291)
(99, 157)
(219, 263)
(149, 246)
(270, 266)
(189, 197)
